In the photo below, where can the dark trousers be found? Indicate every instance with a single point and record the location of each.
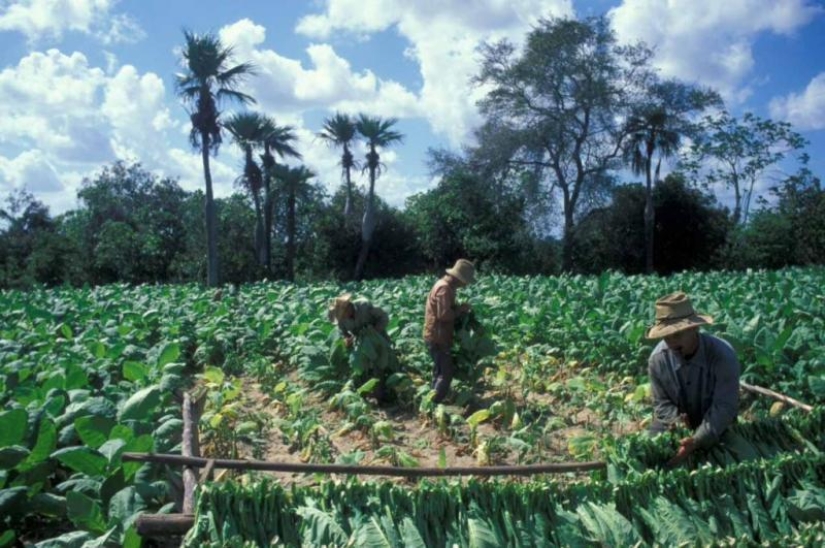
(442, 370)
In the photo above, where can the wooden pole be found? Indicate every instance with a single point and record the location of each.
(775, 395)
(163, 525)
(190, 447)
(526, 470)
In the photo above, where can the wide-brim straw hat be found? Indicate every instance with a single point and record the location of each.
(338, 308)
(675, 313)
(464, 270)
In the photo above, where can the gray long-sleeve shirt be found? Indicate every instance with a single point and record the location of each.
(705, 387)
(365, 313)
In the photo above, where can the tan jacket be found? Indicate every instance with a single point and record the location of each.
(439, 314)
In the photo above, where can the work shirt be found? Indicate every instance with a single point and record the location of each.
(705, 387)
(364, 314)
(439, 314)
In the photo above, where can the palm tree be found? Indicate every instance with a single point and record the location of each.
(209, 78)
(278, 140)
(339, 131)
(294, 182)
(378, 133)
(651, 131)
(248, 130)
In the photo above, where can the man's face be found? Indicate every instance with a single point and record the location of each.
(684, 342)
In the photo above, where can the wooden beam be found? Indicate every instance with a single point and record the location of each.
(163, 525)
(775, 395)
(190, 447)
(525, 470)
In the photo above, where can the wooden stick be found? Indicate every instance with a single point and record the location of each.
(206, 473)
(775, 395)
(526, 470)
(163, 525)
(190, 447)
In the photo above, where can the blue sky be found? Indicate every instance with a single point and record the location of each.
(86, 82)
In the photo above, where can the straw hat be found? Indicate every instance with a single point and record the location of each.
(675, 313)
(463, 270)
(339, 307)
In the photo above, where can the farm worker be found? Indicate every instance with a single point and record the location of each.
(440, 313)
(352, 316)
(694, 376)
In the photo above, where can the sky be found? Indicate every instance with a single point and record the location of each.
(84, 83)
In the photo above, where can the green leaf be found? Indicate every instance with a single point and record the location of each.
(82, 459)
(13, 426)
(45, 444)
(93, 430)
(141, 405)
(112, 449)
(131, 539)
(11, 456)
(48, 504)
(76, 377)
(141, 444)
(12, 499)
(85, 512)
(169, 354)
(7, 538)
(75, 539)
(124, 506)
(122, 432)
(134, 371)
(213, 375)
(478, 417)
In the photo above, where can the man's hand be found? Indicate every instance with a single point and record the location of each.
(686, 447)
(685, 420)
(463, 308)
(348, 341)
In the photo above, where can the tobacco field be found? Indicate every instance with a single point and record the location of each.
(551, 369)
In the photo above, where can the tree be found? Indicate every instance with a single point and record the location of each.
(340, 131)
(294, 184)
(691, 230)
(561, 99)
(736, 154)
(130, 225)
(248, 132)
(210, 77)
(31, 248)
(277, 140)
(464, 216)
(379, 134)
(656, 128)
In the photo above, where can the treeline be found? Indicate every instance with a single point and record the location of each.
(135, 227)
(544, 187)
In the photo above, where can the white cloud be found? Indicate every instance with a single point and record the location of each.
(72, 118)
(31, 170)
(37, 19)
(134, 107)
(707, 41)
(443, 37)
(283, 86)
(50, 99)
(805, 110)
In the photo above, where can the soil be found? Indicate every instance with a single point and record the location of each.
(414, 434)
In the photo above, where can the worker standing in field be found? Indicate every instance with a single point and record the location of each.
(440, 312)
(694, 376)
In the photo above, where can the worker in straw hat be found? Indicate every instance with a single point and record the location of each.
(694, 376)
(440, 313)
(353, 315)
